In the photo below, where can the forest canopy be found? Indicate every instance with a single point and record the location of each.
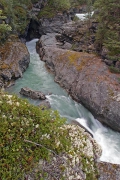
(108, 33)
(15, 16)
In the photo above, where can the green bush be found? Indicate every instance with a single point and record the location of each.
(27, 134)
(47, 12)
(114, 70)
(17, 14)
(52, 7)
(4, 28)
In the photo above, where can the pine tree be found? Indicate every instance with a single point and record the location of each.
(4, 28)
(108, 33)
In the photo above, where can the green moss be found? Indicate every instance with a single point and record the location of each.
(79, 60)
(111, 92)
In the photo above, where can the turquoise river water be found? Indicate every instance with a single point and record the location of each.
(38, 78)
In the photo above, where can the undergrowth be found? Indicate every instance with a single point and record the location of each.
(27, 134)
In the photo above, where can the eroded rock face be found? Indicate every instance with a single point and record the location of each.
(76, 33)
(78, 163)
(14, 59)
(32, 94)
(53, 25)
(108, 171)
(86, 78)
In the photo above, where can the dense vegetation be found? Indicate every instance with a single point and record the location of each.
(27, 134)
(16, 15)
(53, 6)
(31, 137)
(108, 34)
(4, 28)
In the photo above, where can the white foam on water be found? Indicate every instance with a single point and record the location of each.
(106, 138)
(110, 143)
(37, 77)
(83, 122)
(84, 15)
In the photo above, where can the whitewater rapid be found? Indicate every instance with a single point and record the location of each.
(38, 78)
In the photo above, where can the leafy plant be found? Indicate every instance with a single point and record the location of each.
(4, 28)
(108, 34)
(114, 70)
(17, 14)
(27, 134)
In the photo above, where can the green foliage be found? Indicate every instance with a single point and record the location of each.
(87, 163)
(76, 18)
(47, 12)
(81, 2)
(60, 4)
(114, 70)
(17, 13)
(27, 134)
(53, 6)
(108, 33)
(4, 28)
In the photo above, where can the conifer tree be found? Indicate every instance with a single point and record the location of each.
(108, 33)
(4, 28)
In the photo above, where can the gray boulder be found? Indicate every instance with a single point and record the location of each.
(45, 105)
(32, 94)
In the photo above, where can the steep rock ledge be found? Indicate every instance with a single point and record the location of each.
(86, 78)
(14, 59)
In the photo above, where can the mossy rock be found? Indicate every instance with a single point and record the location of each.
(14, 60)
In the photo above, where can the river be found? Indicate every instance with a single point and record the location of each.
(38, 78)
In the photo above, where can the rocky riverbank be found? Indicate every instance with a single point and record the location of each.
(86, 78)
(14, 59)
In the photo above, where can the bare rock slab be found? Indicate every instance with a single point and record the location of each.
(86, 78)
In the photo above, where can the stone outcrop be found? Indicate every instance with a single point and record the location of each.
(42, 24)
(80, 35)
(86, 78)
(78, 163)
(39, 27)
(45, 105)
(32, 94)
(14, 59)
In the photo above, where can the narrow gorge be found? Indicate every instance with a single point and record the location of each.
(56, 64)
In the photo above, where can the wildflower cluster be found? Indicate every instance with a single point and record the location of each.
(22, 128)
(38, 144)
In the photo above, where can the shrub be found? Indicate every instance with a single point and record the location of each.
(27, 134)
(114, 70)
(4, 28)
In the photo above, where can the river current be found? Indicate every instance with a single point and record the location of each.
(38, 78)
